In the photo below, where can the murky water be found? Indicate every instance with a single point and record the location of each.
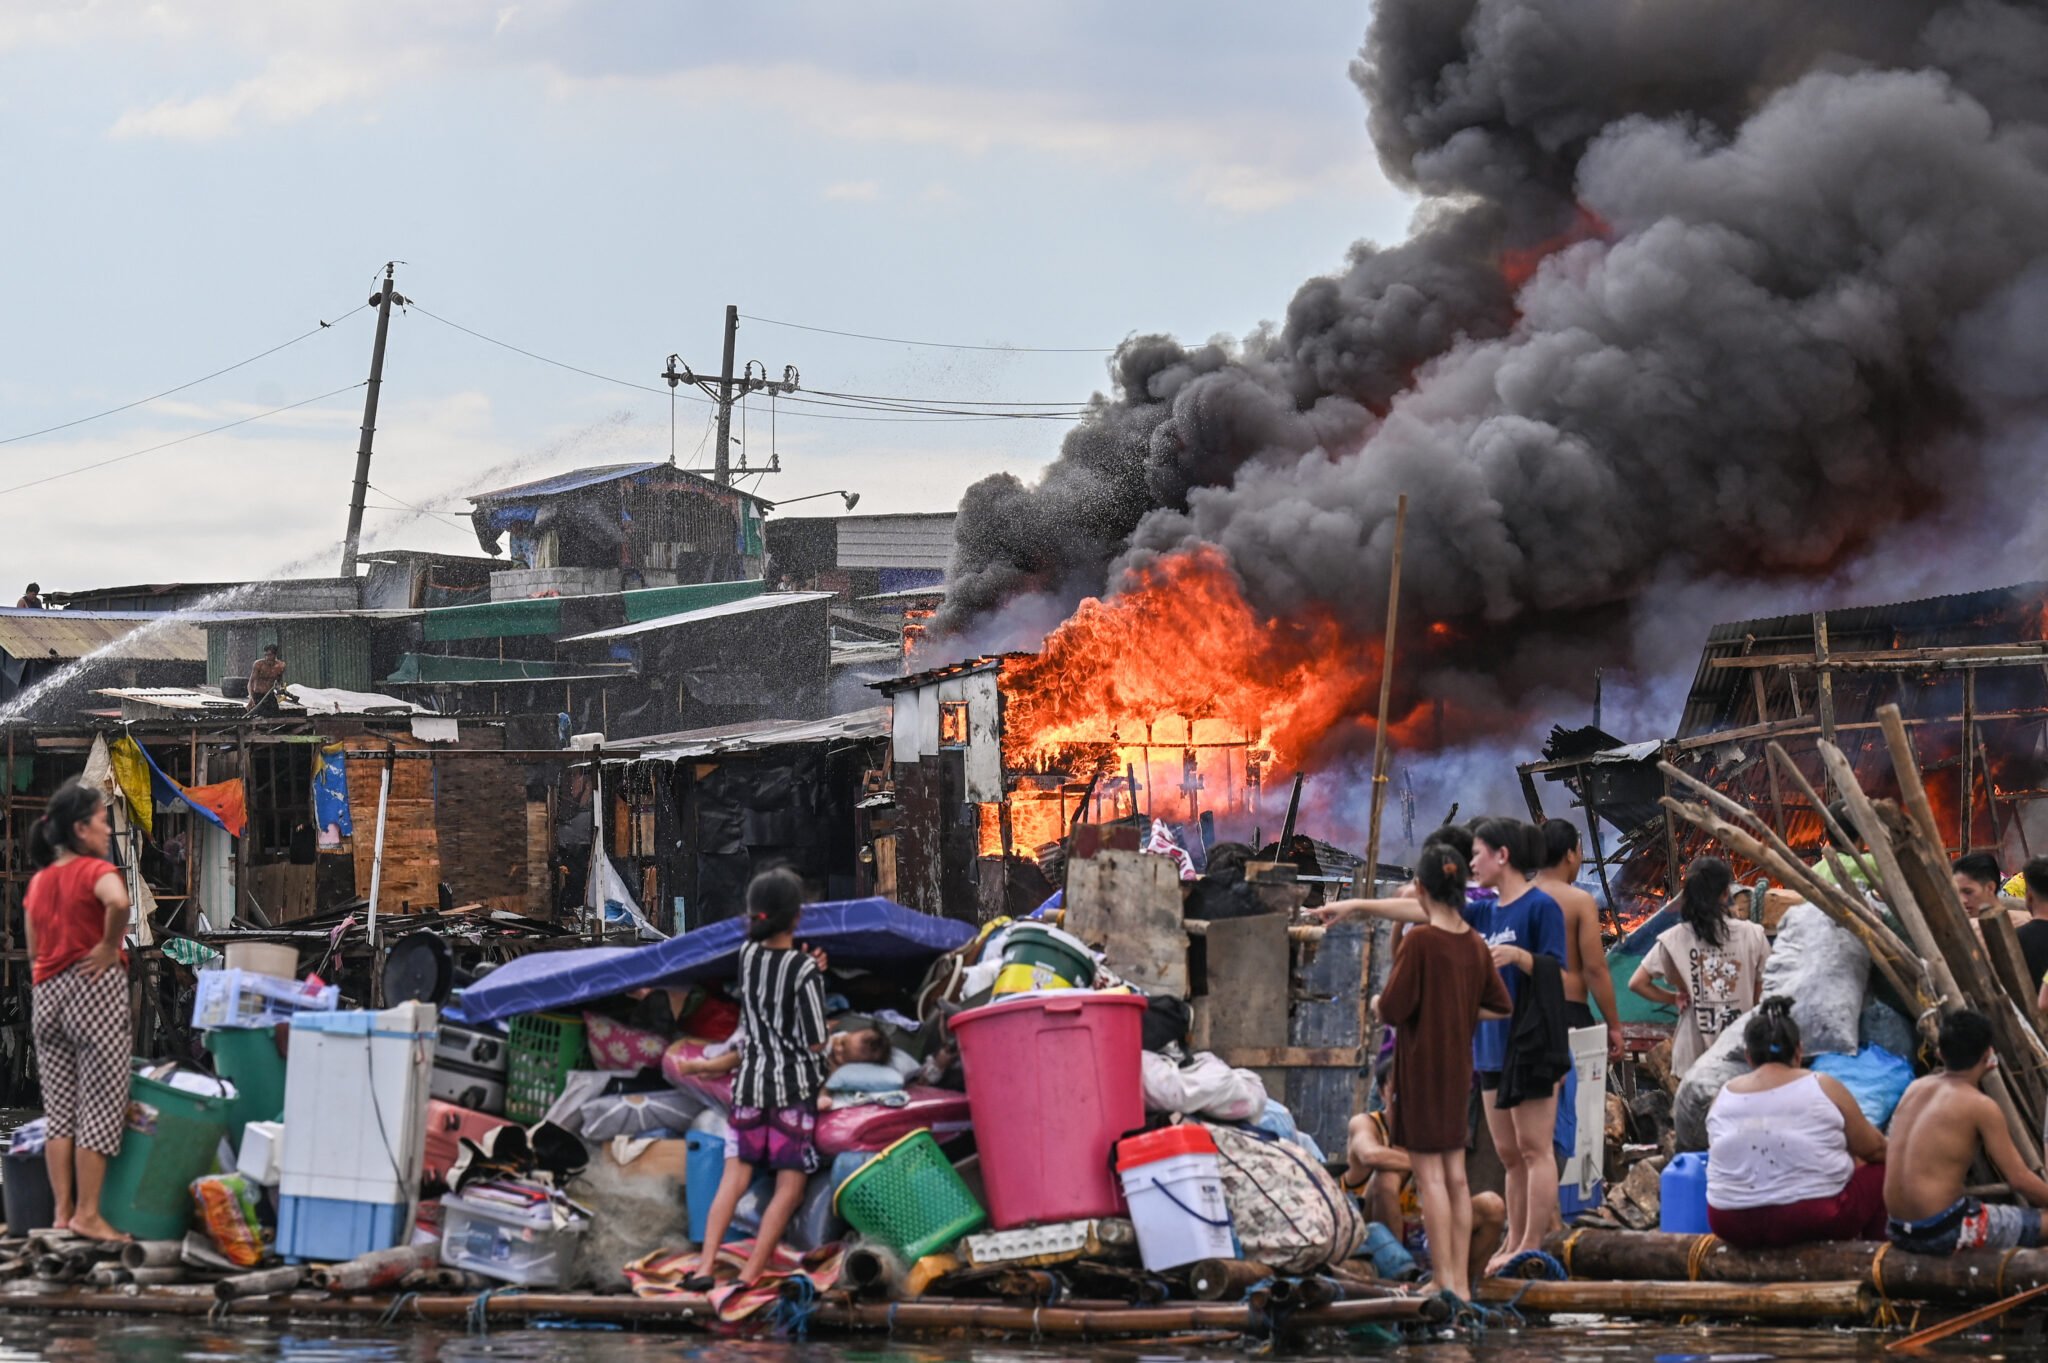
(24, 1338)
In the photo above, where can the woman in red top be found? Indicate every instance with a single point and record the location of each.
(77, 912)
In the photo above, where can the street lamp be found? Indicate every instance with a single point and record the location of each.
(851, 498)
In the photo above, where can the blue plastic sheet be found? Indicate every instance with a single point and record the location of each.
(330, 797)
(1875, 1078)
(870, 933)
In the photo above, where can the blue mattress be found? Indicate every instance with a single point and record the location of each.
(875, 934)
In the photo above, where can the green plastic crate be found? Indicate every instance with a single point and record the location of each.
(909, 1198)
(543, 1048)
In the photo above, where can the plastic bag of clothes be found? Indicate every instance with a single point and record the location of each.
(1202, 1087)
(1825, 971)
(1875, 1078)
(1288, 1211)
(227, 1207)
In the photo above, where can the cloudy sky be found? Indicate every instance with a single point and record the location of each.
(593, 180)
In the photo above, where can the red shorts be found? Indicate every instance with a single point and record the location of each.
(1855, 1213)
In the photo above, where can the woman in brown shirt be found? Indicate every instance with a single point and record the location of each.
(1443, 982)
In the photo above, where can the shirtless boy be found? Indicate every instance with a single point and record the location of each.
(1941, 1126)
(1585, 968)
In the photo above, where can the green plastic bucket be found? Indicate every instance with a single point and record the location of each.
(172, 1137)
(1039, 957)
(910, 1198)
(247, 1058)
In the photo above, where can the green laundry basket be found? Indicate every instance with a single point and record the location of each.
(247, 1058)
(542, 1048)
(172, 1137)
(910, 1198)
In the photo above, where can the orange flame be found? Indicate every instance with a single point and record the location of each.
(1179, 687)
(1519, 264)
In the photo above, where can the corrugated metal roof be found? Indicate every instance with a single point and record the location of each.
(745, 606)
(964, 668)
(904, 594)
(896, 541)
(174, 698)
(563, 482)
(577, 479)
(135, 635)
(1724, 698)
(732, 738)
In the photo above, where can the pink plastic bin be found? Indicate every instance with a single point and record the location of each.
(1052, 1081)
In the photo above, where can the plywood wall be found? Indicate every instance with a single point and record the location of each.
(412, 845)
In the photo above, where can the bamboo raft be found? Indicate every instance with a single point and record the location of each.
(1613, 1273)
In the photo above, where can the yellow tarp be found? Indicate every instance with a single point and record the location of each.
(131, 770)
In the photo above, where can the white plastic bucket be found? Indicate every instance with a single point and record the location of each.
(1177, 1205)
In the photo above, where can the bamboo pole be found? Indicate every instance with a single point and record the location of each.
(265, 1283)
(1237, 1318)
(1637, 1256)
(1913, 1343)
(1887, 955)
(1841, 845)
(152, 1253)
(1796, 1301)
(1379, 736)
(376, 1270)
(1966, 835)
(1216, 1279)
(1803, 876)
(1826, 700)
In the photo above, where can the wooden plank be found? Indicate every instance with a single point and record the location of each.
(1326, 1016)
(1803, 727)
(1129, 905)
(1249, 988)
(1290, 1057)
(1978, 656)
(2009, 962)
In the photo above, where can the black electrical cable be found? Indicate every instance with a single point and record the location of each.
(137, 454)
(126, 406)
(940, 345)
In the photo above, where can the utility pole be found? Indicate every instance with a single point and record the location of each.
(727, 388)
(383, 298)
(723, 470)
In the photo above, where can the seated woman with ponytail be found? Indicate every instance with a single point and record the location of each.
(77, 912)
(1791, 1159)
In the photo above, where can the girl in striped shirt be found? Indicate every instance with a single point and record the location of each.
(782, 1068)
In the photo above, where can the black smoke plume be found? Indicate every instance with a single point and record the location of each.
(1699, 291)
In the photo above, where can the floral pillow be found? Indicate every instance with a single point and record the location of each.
(621, 1049)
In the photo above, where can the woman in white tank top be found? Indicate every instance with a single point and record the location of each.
(1791, 1159)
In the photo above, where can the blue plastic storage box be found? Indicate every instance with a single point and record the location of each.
(703, 1168)
(325, 1230)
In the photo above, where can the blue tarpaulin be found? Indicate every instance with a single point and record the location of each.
(870, 933)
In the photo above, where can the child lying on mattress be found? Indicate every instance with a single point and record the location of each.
(865, 1045)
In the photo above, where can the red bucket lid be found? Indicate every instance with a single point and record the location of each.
(1149, 1147)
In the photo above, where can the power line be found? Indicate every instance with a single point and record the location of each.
(956, 402)
(137, 454)
(913, 415)
(559, 364)
(941, 345)
(111, 411)
(450, 517)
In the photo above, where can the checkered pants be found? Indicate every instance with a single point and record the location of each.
(81, 1035)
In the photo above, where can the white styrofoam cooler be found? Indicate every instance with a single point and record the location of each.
(355, 1105)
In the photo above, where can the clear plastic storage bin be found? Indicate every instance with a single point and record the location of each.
(514, 1245)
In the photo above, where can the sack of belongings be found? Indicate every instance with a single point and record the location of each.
(1289, 1212)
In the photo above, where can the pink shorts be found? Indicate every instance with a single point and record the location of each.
(775, 1138)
